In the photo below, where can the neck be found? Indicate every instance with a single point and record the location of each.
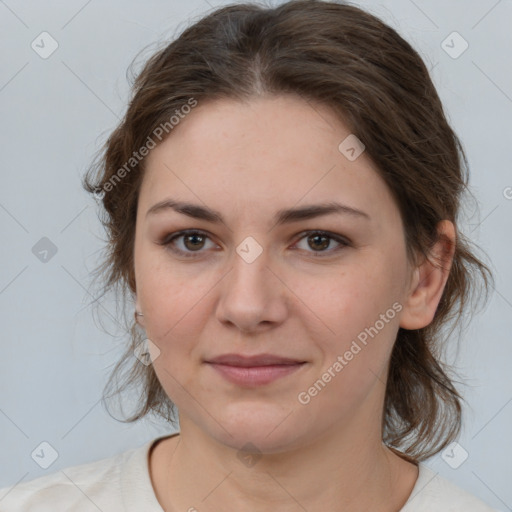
(344, 469)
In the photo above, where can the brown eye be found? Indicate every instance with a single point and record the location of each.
(193, 241)
(186, 243)
(321, 241)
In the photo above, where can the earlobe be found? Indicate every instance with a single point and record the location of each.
(139, 316)
(429, 280)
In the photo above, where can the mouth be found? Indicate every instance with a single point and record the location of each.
(252, 371)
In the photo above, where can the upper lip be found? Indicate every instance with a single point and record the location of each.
(256, 360)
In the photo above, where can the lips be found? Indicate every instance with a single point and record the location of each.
(253, 371)
(251, 361)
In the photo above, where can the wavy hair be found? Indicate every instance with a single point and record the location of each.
(338, 55)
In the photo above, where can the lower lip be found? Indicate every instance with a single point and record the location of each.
(255, 375)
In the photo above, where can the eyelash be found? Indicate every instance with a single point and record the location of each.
(169, 240)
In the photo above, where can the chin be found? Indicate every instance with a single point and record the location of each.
(271, 429)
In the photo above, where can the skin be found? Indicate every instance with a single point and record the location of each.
(248, 160)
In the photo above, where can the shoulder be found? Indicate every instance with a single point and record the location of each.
(434, 492)
(98, 485)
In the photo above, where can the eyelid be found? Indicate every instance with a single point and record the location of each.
(343, 241)
(330, 234)
(168, 240)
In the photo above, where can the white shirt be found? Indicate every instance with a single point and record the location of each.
(122, 484)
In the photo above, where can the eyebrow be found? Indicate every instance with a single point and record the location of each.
(284, 216)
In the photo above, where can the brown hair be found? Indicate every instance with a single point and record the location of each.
(347, 59)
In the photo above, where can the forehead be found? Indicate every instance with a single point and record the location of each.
(268, 153)
(275, 130)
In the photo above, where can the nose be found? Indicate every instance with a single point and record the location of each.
(253, 297)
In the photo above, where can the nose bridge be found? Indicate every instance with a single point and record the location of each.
(251, 294)
(250, 263)
(250, 277)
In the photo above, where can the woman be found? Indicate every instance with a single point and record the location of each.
(281, 199)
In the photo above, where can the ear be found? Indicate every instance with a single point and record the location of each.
(139, 319)
(429, 280)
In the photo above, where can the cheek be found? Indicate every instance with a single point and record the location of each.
(361, 308)
(348, 300)
(355, 355)
(170, 298)
(176, 312)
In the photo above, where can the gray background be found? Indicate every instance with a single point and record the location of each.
(56, 112)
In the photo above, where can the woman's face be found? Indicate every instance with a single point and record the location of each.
(257, 282)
